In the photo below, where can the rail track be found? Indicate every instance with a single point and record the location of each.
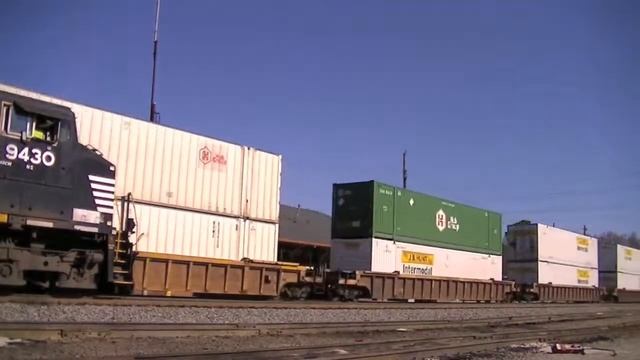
(263, 304)
(331, 340)
(71, 330)
(473, 339)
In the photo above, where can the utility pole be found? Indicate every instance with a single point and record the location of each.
(152, 111)
(404, 169)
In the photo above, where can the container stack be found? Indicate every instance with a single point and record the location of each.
(381, 228)
(193, 195)
(619, 266)
(542, 254)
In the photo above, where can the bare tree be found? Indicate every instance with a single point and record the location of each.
(631, 240)
(634, 241)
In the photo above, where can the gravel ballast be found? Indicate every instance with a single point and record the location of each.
(14, 312)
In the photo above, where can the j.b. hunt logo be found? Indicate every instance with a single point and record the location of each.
(416, 263)
(442, 222)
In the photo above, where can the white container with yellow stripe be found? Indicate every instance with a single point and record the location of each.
(619, 266)
(380, 255)
(539, 242)
(543, 272)
(628, 259)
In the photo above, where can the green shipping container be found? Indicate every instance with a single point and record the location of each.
(372, 209)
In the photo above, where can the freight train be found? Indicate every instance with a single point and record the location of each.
(95, 200)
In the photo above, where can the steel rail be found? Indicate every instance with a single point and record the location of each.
(421, 345)
(572, 333)
(113, 300)
(60, 330)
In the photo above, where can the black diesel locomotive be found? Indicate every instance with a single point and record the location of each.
(56, 203)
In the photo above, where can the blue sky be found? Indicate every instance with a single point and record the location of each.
(530, 108)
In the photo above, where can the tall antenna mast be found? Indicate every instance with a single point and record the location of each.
(404, 169)
(152, 111)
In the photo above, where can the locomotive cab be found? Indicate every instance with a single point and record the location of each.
(56, 198)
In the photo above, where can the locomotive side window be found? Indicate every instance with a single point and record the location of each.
(18, 122)
(34, 126)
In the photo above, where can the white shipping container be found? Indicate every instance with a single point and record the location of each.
(260, 240)
(628, 259)
(379, 255)
(162, 165)
(620, 280)
(618, 258)
(566, 247)
(262, 172)
(180, 232)
(539, 242)
(566, 275)
(543, 272)
(628, 281)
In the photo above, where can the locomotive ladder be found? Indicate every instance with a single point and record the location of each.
(122, 269)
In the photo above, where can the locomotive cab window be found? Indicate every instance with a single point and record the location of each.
(45, 129)
(30, 126)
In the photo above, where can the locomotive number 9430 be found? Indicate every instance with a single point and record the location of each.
(30, 155)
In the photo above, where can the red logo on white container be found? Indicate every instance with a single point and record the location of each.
(207, 156)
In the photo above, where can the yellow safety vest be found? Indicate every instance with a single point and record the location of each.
(37, 134)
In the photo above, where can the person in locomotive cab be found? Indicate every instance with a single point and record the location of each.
(38, 134)
(44, 130)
